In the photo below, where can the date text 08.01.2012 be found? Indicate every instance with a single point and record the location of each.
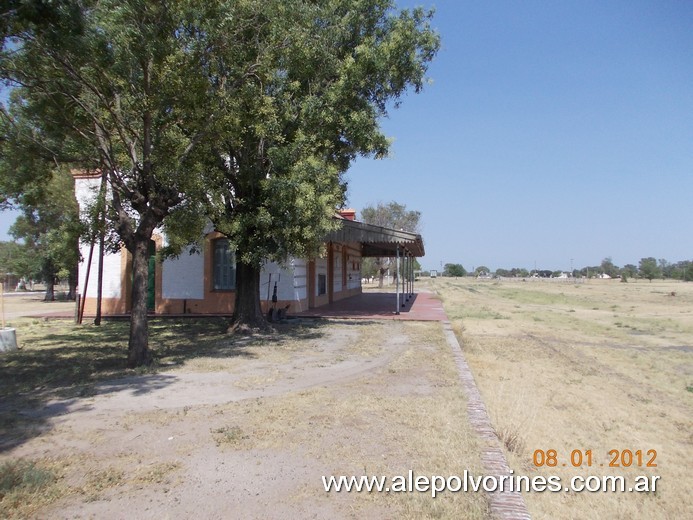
(577, 458)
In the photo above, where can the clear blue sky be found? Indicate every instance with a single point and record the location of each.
(552, 131)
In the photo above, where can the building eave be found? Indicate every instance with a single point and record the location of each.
(378, 241)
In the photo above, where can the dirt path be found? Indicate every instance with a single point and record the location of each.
(254, 439)
(18, 305)
(329, 364)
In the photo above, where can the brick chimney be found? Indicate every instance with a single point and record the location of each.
(347, 214)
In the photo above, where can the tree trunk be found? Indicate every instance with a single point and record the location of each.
(138, 346)
(50, 291)
(381, 277)
(247, 313)
(48, 272)
(72, 285)
(99, 281)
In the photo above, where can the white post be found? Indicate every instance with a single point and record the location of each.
(406, 278)
(405, 263)
(412, 277)
(398, 273)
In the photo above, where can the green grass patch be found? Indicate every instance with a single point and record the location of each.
(21, 476)
(230, 435)
(532, 297)
(478, 313)
(22, 483)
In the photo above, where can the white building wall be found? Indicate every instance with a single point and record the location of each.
(111, 273)
(282, 276)
(320, 268)
(300, 278)
(86, 192)
(353, 277)
(183, 277)
(353, 268)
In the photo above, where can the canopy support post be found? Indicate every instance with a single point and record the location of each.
(397, 273)
(406, 277)
(412, 277)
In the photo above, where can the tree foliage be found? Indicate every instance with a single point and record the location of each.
(245, 112)
(515, 272)
(48, 226)
(323, 74)
(629, 270)
(608, 268)
(456, 270)
(49, 229)
(16, 260)
(394, 216)
(108, 86)
(648, 268)
(482, 270)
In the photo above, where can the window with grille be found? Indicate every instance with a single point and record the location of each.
(224, 266)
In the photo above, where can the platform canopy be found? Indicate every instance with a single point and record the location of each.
(377, 241)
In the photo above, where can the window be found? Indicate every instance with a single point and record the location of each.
(322, 284)
(224, 266)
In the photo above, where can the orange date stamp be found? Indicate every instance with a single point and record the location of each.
(578, 458)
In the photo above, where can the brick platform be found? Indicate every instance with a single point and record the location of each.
(423, 306)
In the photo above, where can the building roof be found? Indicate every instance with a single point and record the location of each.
(377, 241)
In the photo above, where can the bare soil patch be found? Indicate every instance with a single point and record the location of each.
(245, 428)
(22, 304)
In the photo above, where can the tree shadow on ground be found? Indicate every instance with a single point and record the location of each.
(352, 322)
(61, 364)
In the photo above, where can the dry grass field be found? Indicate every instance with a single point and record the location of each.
(599, 366)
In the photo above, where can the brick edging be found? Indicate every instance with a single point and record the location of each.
(506, 505)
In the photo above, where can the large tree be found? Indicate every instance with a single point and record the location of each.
(110, 86)
(245, 112)
(648, 268)
(391, 215)
(303, 96)
(49, 229)
(608, 267)
(16, 261)
(48, 226)
(454, 270)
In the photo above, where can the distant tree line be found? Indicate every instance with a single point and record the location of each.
(648, 268)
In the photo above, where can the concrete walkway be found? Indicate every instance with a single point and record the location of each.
(423, 306)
